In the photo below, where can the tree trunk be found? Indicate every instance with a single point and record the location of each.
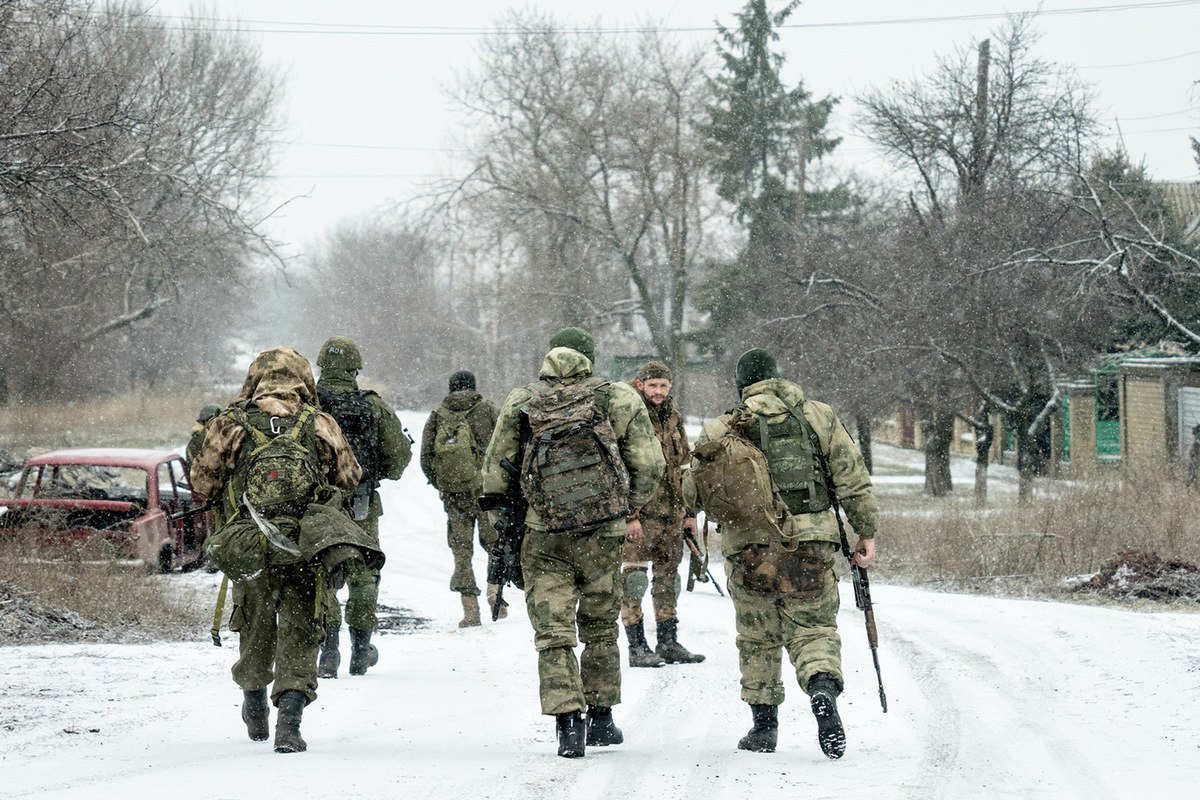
(983, 449)
(863, 424)
(938, 434)
(1026, 462)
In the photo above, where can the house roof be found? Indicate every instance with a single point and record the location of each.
(1184, 200)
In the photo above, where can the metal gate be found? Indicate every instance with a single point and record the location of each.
(1189, 418)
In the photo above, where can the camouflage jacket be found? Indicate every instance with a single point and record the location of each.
(635, 435)
(771, 398)
(481, 418)
(395, 448)
(279, 382)
(667, 502)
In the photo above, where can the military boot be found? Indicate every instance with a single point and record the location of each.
(765, 733)
(823, 691)
(640, 654)
(493, 590)
(601, 730)
(287, 724)
(331, 657)
(470, 612)
(256, 713)
(669, 647)
(363, 654)
(570, 734)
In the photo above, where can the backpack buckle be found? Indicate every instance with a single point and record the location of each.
(275, 429)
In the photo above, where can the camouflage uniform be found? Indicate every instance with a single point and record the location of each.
(277, 614)
(395, 452)
(196, 440)
(462, 508)
(662, 524)
(806, 625)
(571, 578)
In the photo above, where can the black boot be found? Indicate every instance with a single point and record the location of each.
(256, 713)
(363, 654)
(331, 657)
(287, 724)
(601, 730)
(765, 733)
(669, 647)
(640, 654)
(570, 734)
(823, 691)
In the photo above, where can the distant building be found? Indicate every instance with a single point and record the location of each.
(1184, 201)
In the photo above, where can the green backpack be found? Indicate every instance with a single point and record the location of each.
(790, 448)
(572, 472)
(455, 453)
(278, 469)
(733, 480)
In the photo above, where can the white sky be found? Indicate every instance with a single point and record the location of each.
(367, 119)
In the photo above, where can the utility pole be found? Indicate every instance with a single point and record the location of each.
(975, 176)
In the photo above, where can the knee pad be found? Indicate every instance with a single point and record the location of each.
(636, 584)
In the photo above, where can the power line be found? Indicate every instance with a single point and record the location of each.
(381, 147)
(1161, 116)
(352, 29)
(1142, 63)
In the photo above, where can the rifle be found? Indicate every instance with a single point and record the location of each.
(699, 562)
(504, 560)
(858, 575)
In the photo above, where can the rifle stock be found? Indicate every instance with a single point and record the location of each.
(504, 560)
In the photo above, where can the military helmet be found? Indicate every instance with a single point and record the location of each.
(208, 412)
(340, 352)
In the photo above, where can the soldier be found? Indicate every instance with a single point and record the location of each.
(383, 450)
(277, 613)
(785, 593)
(196, 442)
(663, 521)
(452, 445)
(588, 456)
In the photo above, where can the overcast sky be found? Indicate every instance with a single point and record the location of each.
(368, 120)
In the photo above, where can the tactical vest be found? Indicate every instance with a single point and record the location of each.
(278, 469)
(358, 418)
(455, 452)
(572, 472)
(792, 459)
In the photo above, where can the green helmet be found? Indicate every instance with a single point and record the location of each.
(208, 412)
(340, 352)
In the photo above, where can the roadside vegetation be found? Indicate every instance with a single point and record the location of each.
(57, 596)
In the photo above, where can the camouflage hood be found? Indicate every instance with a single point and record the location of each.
(462, 400)
(278, 382)
(772, 397)
(563, 363)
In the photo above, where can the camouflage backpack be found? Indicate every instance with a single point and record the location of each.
(359, 421)
(278, 470)
(790, 448)
(455, 453)
(572, 472)
(733, 479)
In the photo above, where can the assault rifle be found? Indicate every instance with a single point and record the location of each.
(504, 560)
(858, 575)
(699, 562)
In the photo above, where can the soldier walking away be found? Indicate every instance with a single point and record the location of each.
(196, 442)
(663, 521)
(383, 450)
(588, 457)
(779, 559)
(274, 449)
(452, 446)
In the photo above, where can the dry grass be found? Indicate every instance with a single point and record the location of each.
(1075, 530)
(57, 596)
(141, 419)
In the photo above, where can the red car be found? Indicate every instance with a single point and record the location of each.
(123, 503)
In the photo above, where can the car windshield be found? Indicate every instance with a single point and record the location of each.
(88, 482)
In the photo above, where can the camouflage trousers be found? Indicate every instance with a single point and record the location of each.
(662, 550)
(570, 587)
(362, 590)
(462, 513)
(806, 627)
(280, 628)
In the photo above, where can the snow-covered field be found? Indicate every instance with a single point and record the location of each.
(988, 698)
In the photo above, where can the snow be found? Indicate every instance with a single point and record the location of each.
(987, 698)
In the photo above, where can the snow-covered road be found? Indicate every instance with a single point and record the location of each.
(988, 698)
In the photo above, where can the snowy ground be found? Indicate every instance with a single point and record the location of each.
(988, 698)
